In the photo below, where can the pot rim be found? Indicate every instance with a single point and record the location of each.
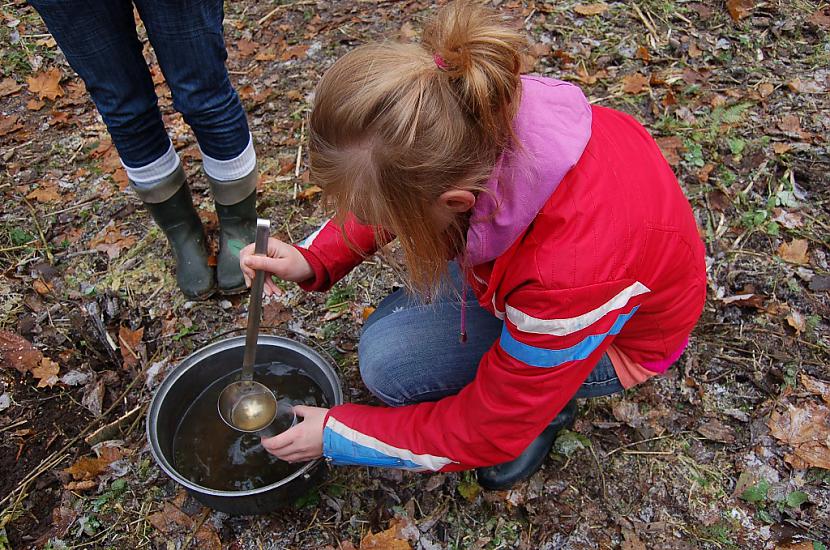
(197, 356)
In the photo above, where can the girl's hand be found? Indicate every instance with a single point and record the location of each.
(282, 260)
(302, 442)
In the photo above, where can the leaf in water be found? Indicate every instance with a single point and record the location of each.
(634, 83)
(46, 373)
(591, 9)
(46, 84)
(18, 353)
(794, 252)
(757, 493)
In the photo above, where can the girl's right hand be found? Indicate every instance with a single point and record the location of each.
(282, 260)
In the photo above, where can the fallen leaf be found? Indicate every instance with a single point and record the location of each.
(18, 353)
(93, 399)
(246, 47)
(671, 148)
(745, 300)
(42, 287)
(8, 86)
(89, 468)
(821, 18)
(112, 240)
(45, 193)
(631, 541)
(385, 540)
(591, 9)
(790, 220)
(268, 54)
(628, 412)
(797, 321)
(739, 9)
(765, 89)
(694, 50)
(642, 53)
(718, 200)
(367, 312)
(794, 252)
(46, 84)
(805, 86)
(816, 387)
(275, 314)
(121, 178)
(805, 428)
(781, 148)
(703, 173)
(9, 124)
(309, 192)
(791, 126)
(294, 52)
(35, 104)
(129, 342)
(46, 373)
(85, 485)
(634, 83)
(717, 431)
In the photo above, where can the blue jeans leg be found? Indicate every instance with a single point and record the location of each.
(188, 39)
(409, 351)
(100, 42)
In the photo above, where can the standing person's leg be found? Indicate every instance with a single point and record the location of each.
(100, 42)
(187, 37)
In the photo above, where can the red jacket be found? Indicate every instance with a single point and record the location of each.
(586, 240)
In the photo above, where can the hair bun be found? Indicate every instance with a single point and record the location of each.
(481, 54)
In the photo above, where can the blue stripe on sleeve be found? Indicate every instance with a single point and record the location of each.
(344, 451)
(548, 358)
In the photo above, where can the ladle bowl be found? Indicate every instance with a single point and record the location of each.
(204, 367)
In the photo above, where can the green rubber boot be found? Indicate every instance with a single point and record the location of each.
(236, 210)
(171, 206)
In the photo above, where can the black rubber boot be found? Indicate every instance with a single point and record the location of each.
(177, 217)
(237, 229)
(504, 476)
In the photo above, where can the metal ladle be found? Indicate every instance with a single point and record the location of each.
(247, 405)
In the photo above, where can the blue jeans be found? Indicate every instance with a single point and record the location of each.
(409, 351)
(99, 40)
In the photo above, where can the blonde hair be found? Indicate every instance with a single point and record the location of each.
(396, 125)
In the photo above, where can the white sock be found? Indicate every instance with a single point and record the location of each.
(149, 174)
(231, 169)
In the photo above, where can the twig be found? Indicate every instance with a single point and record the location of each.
(271, 13)
(299, 159)
(646, 22)
(196, 528)
(40, 232)
(643, 441)
(601, 472)
(13, 248)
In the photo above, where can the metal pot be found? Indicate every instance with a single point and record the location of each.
(203, 367)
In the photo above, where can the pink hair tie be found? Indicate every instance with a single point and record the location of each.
(439, 62)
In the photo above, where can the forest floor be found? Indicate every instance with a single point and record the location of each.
(728, 450)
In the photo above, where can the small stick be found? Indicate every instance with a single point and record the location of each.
(645, 21)
(271, 13)
(40, 232)
(299, 159)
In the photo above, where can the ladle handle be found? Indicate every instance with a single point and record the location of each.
(263, 229)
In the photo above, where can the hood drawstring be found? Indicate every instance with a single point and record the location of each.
(462, 337)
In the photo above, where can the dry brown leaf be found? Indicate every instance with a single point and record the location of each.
(816, 387)
(805, 428)
(294, 52)
(35, 104)
(642, 53)
(717, 431)
(129, 341)
(309, 192)
(628, 412)
(112, 240)
(121, 179)
(781, 148)
(739, 9)
(45, 193)
(794, 252)
(46, 373)
(790, 220)
(246, 47)
(671, 147)
(765, 89)
(46, 84)
(634, 83)
(268, 54)
(703, 173)
(694, 50)
(591, 9)
(631, 541)
(367, 311)
(9, 86)
(821, 18)
(85, 485)
(42, 287)
(18, 353)
(275, 314)
(385, 540)
(745, 300)
(9, 124)
(797, 321)
(89, 468)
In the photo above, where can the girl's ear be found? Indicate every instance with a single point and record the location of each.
(457, 200)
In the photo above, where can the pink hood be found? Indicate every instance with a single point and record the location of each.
(553, 126)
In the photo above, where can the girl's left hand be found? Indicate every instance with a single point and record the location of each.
(302, 442)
